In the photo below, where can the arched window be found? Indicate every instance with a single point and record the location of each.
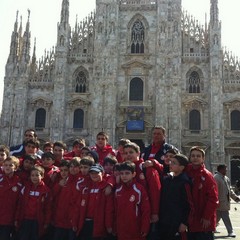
(40, 119)
(195, 120)
(137, 37)
(194, 83)
(136, 89)
(235, 120)
(78, 118)
(81, 83)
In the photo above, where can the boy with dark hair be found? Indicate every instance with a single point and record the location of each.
(120, 150)
(24, 171)
(10, 188)
(108, 164)
(34, 209)
(59, 149)
(62, 204)
(205, 197)
(93, 217)
(148, 177)
(48, 147)
(50, 170)
(131, 200)
(176, 201)
(74, 169)
(102, 147)
(78, 144)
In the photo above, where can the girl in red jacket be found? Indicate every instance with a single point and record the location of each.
(9, 193)
(34, 210)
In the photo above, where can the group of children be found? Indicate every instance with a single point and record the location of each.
(124, 198)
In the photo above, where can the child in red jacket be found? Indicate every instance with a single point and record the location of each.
(34, 209)
(62, 200)
(24, 171)
(131, 202)
(93, 217)
(10, 187)
(205, 197)
(50, 170)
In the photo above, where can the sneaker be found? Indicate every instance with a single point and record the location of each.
(233, 235)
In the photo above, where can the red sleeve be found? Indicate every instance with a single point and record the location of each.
(146, 212)
(109, 219)
(48, 208)
(158, 166)
(212, 196)
(154, 188)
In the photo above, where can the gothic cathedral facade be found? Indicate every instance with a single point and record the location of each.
(130, 65)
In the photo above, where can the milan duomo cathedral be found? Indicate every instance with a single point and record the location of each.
(126, 67)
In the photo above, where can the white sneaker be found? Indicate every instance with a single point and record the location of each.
(232, 234)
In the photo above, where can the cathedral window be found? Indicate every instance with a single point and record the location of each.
(235, 120)
(194, 83)
(81, 83)
(137, 37)
(78, 118)
(195, 121)
(40, 119)
(136, 89)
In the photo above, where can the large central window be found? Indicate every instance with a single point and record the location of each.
(136, 89)
(137, 37)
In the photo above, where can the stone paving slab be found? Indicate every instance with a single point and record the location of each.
(235, 219)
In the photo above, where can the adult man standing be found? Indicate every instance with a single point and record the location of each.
(18, 150)
(225, 193)
(158, 147)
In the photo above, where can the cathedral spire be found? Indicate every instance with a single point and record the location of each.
(65, 12)
(14, 43)
(26, 42)
(214, 13)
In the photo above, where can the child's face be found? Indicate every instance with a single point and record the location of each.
(47, 162)
(101, 141)
(74, 170)
(84, 153)
(196, 158)
(130, 154)
(27, 164)
(77, 149)
(9, 167)
(64, 172)
(96, 176)
(167, 158)
(175, 167)
(3, 156)
(127, 176)
(36, 177)
(48, 149)
(30, 149)
(108, 167)
(58, 152)
(84, 169)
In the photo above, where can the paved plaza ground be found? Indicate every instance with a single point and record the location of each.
(235, 219)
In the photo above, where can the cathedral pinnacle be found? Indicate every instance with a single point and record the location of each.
(65, 12)
(214, 12)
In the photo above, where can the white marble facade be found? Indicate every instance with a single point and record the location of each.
(130, 59)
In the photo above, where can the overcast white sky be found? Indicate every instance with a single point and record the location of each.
(45, 15)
